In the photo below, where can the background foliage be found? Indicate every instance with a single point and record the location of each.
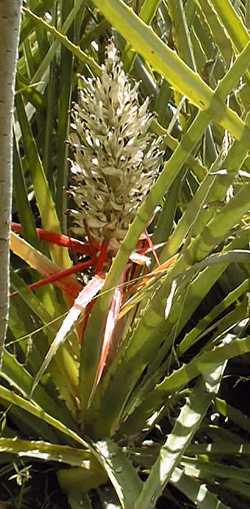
(169, 417)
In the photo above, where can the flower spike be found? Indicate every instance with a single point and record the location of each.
(115, 159)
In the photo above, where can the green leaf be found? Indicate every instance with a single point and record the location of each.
(167, 63)
(19, 378)
(45, 451)
(196, 491)
(38, 411)
(43, 195)
(60, 36)
(120, 471)
(184, 429)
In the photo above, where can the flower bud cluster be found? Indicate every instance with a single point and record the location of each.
(115, 159)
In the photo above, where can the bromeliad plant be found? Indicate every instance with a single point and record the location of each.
(115, 161)
(124, 391)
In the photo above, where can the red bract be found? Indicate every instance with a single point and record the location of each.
(98, 259)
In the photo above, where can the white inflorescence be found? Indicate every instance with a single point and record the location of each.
(115, 158)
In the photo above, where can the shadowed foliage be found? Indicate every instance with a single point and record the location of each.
(118, 382)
